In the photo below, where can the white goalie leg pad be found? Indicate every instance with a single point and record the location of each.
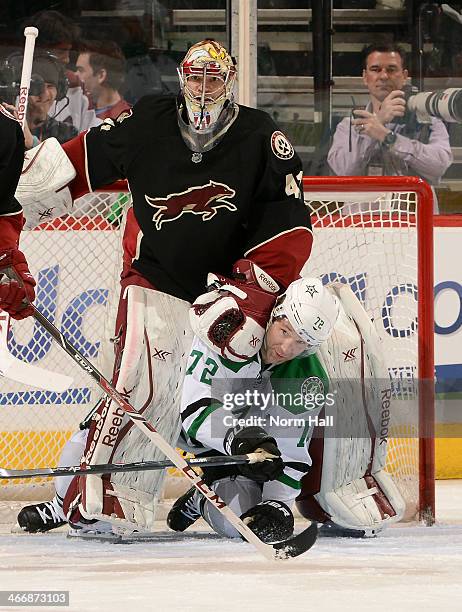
(42, 190)
(152, 368)
(369, 503)
(355, 491)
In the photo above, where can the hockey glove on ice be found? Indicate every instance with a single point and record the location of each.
(272, 521)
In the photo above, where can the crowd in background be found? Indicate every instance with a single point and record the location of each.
(78, 83)
(66, 99)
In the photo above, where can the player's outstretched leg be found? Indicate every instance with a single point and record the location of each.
(238, 492)
(41, 517)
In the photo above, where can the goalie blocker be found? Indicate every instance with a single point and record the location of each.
(347, 484)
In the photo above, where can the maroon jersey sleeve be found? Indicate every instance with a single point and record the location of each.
(279, 232)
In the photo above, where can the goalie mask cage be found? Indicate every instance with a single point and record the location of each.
(373, 233)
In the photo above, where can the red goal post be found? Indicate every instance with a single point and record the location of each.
(77, 260)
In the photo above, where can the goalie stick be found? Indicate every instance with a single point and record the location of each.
(112, 468)
(26, 373)
(292, 547)
(10, 367)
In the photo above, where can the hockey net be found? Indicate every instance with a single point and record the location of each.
(384, 255)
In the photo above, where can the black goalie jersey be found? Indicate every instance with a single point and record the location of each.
(11, 161)
(199, 213)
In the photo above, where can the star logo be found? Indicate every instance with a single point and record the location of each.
(311, 289)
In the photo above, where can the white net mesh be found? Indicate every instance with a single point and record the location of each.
(77, 262)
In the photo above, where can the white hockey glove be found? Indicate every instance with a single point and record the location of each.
(231, 318)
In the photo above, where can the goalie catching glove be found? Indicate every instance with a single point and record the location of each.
(254, 440)
(231, 318)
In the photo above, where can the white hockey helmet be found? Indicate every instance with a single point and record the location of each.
(310, 308)
(209, 65)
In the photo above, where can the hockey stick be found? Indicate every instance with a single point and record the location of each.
(10, 367)
(139, 466)
(31, 34)
(25, 373)
(293, 547)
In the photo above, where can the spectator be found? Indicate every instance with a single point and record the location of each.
(57, 35)
(385, 138)
(101, 68)
(48, 87)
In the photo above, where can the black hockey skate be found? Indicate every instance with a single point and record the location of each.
(39, 517)
(184, 511)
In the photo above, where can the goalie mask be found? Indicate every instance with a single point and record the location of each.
(311, 309)
(207, 75)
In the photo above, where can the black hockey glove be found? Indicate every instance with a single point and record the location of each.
(249, 440)
(272, 521)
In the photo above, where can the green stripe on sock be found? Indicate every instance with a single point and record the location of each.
(290, 482)
(194, 427)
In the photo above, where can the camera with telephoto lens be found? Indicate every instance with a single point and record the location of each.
(409, 116)
(445, 104)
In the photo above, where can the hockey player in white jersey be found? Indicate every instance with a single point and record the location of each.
(310, 329)
(302, 319)
(268, 404)
(299, 380)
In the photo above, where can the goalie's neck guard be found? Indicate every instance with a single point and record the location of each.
(201, 141)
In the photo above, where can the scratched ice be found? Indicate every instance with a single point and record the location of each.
(408, 568)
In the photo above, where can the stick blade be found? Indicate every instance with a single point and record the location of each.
(297, 545)
(28, 374)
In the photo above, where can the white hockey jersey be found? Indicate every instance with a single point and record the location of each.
(220, 396)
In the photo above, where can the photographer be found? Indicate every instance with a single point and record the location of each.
(385, 138)
(57, 35)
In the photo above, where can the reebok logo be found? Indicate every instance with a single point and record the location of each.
(270, 284)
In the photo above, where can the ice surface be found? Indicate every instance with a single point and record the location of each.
(408, 568)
